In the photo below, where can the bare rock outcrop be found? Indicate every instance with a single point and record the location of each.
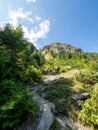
(47, 117)
(81, 96)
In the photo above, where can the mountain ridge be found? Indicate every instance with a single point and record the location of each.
(56, 49)
(62, 47)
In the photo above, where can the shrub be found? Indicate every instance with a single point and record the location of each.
(32, 74)
(18, 108)
(7, 87)
(87, 77)
(55, 125)
(89, 112)
(48, 68)
(93, 65)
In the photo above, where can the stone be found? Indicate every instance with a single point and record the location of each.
(81, 96)
(44, 117)
(47, 117)
(65, 123)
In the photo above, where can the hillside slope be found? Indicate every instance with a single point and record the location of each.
(54, 50)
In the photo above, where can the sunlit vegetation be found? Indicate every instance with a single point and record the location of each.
(60, 93)
(22, 65)
(84, 81)
(19, 64)
(89, 113)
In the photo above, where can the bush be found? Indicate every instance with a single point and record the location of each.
(89, 112)
(7, 87)
(93, 65)
(32, 74)
(18, 108)
(48, 68)
(87, 77)
(55, 125)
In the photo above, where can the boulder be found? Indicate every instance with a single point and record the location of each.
(81, 96)
(47, 117)
(44, 117)
(65, 123)
(68, 67)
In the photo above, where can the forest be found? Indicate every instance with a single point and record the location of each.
(22, 67)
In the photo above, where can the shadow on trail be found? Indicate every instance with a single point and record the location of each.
(59, 92)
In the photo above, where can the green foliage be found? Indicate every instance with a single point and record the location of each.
(92, 57)
(89, 112)
(7, 87)
(37, 57)
(17, 55)
(93, 65)
(32, 74)
(19, 106)
(65, 54)
(13, 43)
(16, 66)
(12, 38)
(59, 93)
(4, 55)
(48, 68)
(87, 77)
(21, 62)
(55, 125)
(60, 51)
(51, 65)
(4, 60)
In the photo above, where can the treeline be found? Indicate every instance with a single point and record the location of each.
(20, 64)
(77, 59)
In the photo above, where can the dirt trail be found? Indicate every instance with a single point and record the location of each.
(69, 74)
(63, 120)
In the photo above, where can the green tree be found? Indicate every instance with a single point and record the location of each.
(15, 68)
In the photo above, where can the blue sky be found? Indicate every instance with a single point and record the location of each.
(47, 21)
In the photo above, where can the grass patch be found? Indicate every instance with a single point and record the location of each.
(55, 125)
(60, 93)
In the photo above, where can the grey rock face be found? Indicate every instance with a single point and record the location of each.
(81, 96)
(47, 117)
(65, 123)
(44, 117)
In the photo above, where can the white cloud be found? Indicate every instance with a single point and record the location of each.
(38, 32)
(31, 0)
(19, 13)
(30, 20)
(38, 28)
(1, 27)
(38, 18)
